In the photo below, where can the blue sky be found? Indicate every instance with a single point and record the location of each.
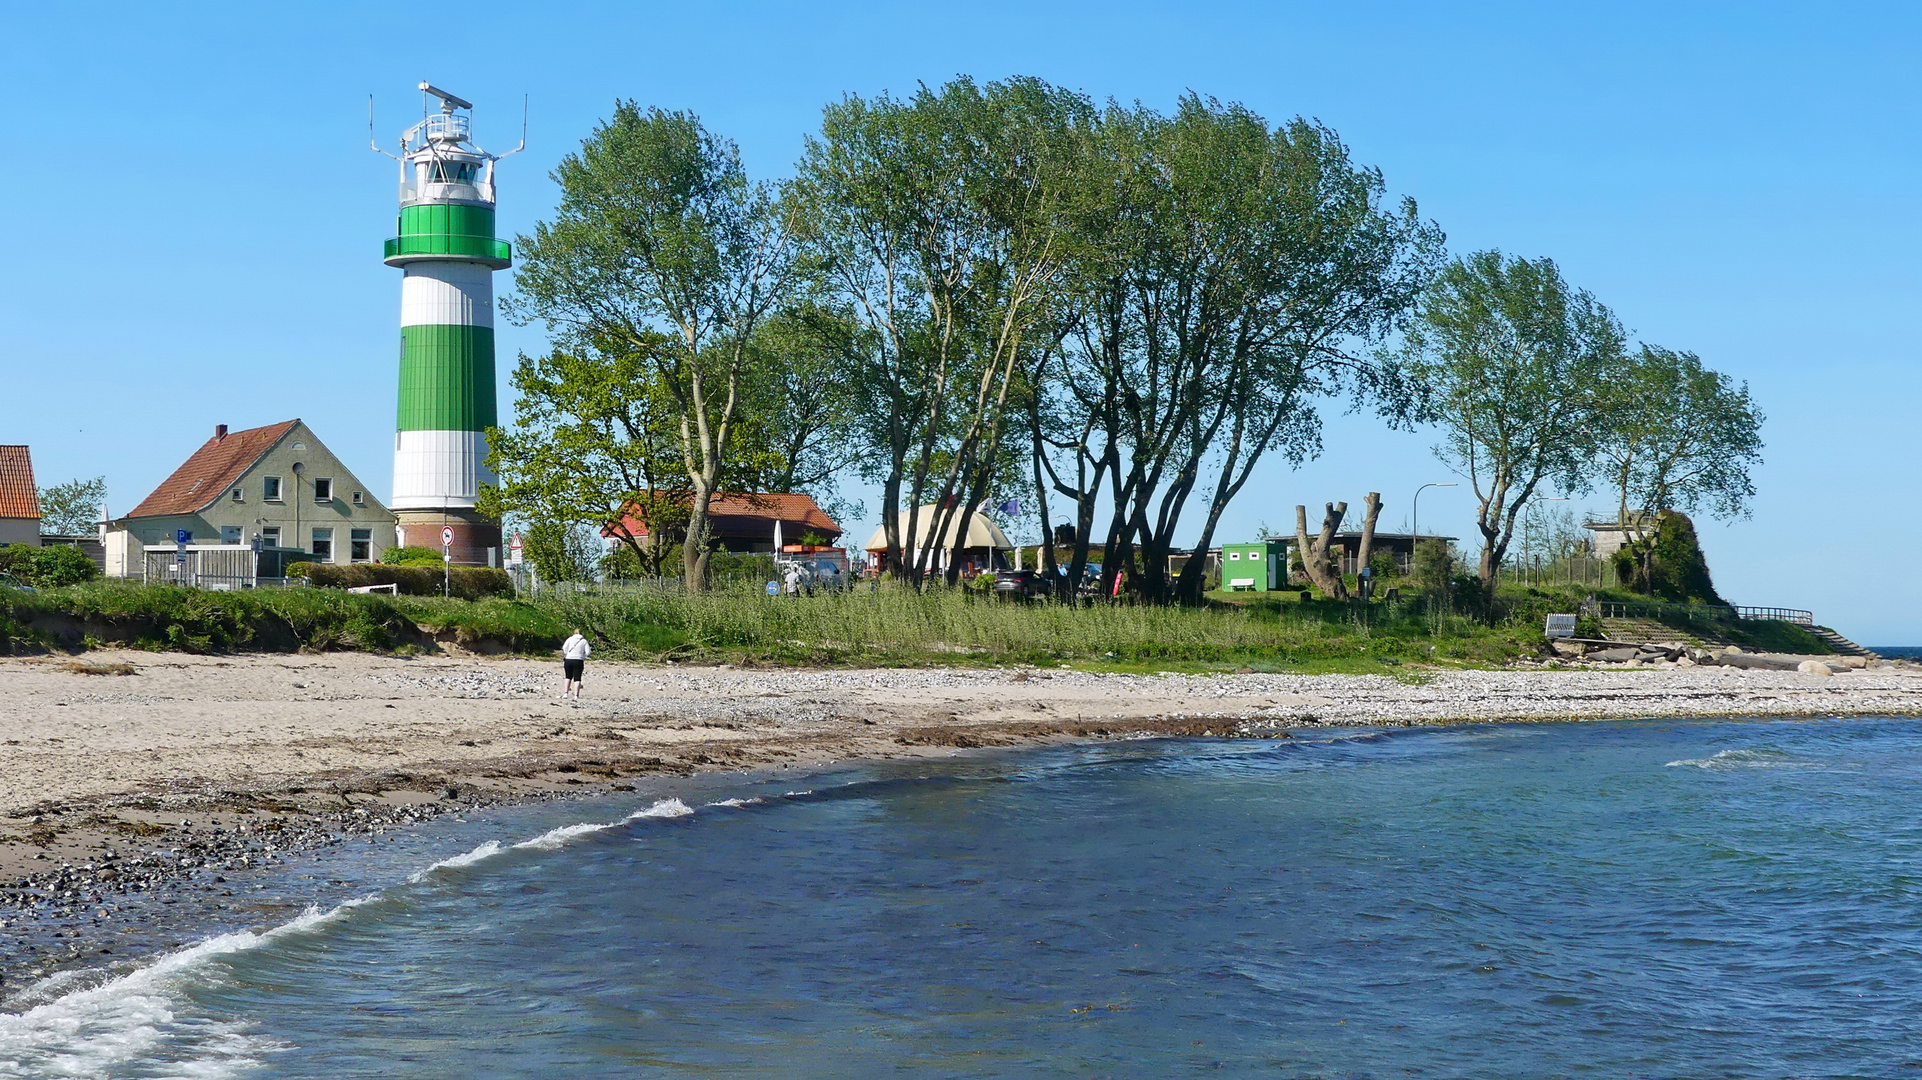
(193, 218)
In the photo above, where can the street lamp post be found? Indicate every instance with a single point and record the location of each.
(1415, 520)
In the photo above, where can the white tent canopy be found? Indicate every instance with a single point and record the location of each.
(982, 532)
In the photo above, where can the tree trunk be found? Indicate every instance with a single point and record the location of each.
(1315, 556)
(1373, 511)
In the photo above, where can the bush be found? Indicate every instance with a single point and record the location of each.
(466, 582)
(1668, 563)
(48, 567)
(411, 556)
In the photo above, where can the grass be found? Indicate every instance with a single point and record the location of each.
(884, 626)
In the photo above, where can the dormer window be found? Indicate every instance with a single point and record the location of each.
(270, 488)
(323, 489)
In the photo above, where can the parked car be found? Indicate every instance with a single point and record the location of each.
(1023, 584)
(8, 581)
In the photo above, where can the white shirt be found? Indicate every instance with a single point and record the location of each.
(576, 648)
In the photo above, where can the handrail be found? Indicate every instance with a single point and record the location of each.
(1616, 609)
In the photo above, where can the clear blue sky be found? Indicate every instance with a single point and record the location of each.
(194, 221)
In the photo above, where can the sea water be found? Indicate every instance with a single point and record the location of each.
(1656, 898)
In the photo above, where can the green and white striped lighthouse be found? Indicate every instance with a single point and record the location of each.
(447, 251)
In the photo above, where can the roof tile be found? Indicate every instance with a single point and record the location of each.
(18, 499)
(211, 470)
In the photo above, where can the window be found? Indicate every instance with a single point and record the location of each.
(1236, 555)
(323, 489)
(360, 545)
(270, 536)
(359, 499)
(237, 496)
(270, 488)
(323, 548)
(230, 534)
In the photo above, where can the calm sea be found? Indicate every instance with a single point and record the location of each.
(1659, 899)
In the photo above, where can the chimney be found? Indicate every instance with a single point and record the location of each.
(220, 432)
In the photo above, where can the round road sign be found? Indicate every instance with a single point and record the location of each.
(446, 536)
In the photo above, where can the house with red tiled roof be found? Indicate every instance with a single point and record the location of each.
(277, 485)
(744, 521)
(19, 499)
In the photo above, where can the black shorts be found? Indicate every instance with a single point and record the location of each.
(572, 669)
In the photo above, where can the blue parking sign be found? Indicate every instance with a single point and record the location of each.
(183, 536)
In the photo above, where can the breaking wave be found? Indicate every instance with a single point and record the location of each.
(1738, 759)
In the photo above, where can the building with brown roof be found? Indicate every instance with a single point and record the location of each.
(276, 484)
(744, 521)
(19, 499)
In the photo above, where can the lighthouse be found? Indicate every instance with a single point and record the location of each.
(447, 254)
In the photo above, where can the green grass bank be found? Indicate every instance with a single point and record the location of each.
(885, 626)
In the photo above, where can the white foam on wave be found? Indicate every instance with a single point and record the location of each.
(665, 808)
(485, 851)
(89, 1032)
(1737, 759)
(739, 802)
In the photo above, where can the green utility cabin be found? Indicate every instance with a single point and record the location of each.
(1258, 567)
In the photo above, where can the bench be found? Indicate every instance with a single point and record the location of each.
(1236, 584)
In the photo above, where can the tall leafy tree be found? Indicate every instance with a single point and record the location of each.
(1677, 435)
(1228, 273)
(939, 223)
(1511, 361)
(662, 246)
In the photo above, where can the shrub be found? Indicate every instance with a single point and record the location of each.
(1668, 563)
(48, 567)
(411, 556)
(465, 582)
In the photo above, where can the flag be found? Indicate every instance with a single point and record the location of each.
(1009, 508)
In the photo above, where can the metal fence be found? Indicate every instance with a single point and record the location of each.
(1610, 609)
(1579, 572)
(217, 567)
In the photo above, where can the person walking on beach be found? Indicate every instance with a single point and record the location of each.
(574, 653)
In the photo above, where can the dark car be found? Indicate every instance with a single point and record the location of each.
(1023, 584)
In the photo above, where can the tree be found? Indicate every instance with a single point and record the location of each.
(595, 441)
(1226, 275)
(939, 222)
(805, 407)
(1371, 514)
(562, 551)
(1318, 555)
(1677, 434)
(72, 508)
(661, 247)
(1508, 360)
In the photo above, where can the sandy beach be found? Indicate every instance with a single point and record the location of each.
(105, 752)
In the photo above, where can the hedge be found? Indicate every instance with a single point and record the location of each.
(466, 582)
(47, 567)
